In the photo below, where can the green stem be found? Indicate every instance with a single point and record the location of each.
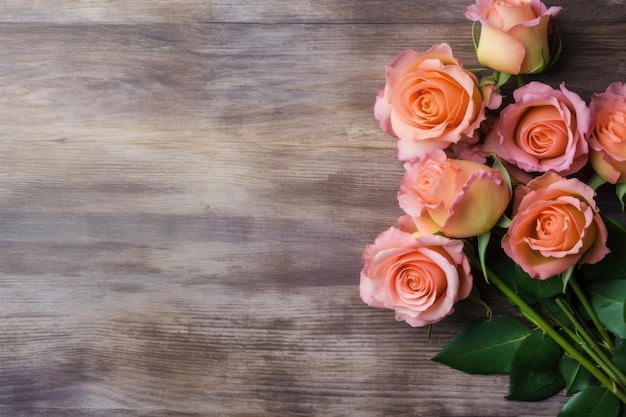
(538, 320)
(590, 346)
(592, 314)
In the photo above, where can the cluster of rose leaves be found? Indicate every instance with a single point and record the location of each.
(437, 109)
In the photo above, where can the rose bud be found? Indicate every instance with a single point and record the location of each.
(513, 35)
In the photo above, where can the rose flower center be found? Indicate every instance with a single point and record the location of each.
(420, 282)
(542, 132)
(427, 182)
(435, 99)
(558, 230)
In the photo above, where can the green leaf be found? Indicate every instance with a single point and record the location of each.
(474, 41)
(501, 78)
(566, 276)
(596, 181)
(619, 356)
(553, 309)
(535, 372)
(497, 164)
(620, 190)
(555, 51)
(485, 347)
(504, 222)
(607, 299)
(541, 288)
(483, 242)
(593, 401)
(576, 376)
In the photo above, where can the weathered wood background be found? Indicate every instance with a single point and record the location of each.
(186, 187)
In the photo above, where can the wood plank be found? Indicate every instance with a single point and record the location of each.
(271, 12)
(183, 210)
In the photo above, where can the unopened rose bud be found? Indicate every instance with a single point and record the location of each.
(514, 34)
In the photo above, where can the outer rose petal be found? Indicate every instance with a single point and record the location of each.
(408, 150)
(618, 88)
(382, 112)
(366, 289)
(503, 52)
(599, 249)
(534, 41)
(534, 265)
(606, 167)
(491, 96)
(550, 186)
(466, 220)
(511, 13)
(409, 61)
(607, 136)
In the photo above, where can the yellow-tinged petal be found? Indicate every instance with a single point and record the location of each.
(535, 41)
(466, 219)
(500, 51)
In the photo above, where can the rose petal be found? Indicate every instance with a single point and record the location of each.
(503, 52)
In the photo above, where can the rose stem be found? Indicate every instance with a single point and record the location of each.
(591, 347)
(536, 318)
(577, 339)
(592, 314)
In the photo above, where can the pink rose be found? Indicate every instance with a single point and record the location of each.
(421, 278)
(555, 224)
(430, 102)
(608, 133)
(457, 197)
(514, 34)
(543, 130)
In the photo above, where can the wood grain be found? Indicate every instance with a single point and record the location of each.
(185, 191)
(272, 12)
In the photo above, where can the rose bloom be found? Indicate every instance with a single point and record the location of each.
(456, 197)
(513, 35)
(543, 130)
(607, 137)
(430, 102)
(555, 224)
(420, 277)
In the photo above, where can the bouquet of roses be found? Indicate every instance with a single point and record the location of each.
(499, 190)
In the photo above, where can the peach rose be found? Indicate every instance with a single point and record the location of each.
(555, 224)
(543, 130)
(421, 278)
(456, 197)
(513, 35)
(430, 102)
(607, 137)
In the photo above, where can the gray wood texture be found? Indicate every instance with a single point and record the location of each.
(186, 188)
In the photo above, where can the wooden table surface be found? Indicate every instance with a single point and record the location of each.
(186, 187)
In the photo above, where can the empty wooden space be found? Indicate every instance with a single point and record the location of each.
(186, 187)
